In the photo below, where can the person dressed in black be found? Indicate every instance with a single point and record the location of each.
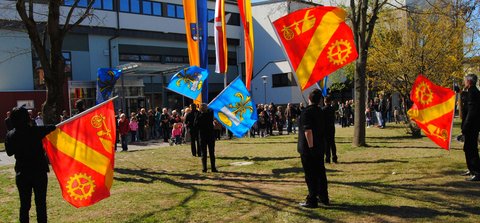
(165, 124)
(471, 127)
(193, 130)
(311, 146)
(142, 121)
(31, 166)
(204, 122)
(8, 122)
(331, 148)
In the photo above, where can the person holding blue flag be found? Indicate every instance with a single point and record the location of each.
(204, 123)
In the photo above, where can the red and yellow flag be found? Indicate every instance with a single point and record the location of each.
(433, 110)
(245, 9)
(81, 152)
(317, 41)
(221, 50)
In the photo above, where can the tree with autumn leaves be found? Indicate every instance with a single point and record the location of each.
(434, 41)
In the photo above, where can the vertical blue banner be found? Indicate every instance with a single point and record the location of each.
(202, 19)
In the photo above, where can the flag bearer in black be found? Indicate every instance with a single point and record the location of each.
(471, 126)
(190, 122)
(31, 167)
(204, 122)
(331, 148)
(311, 146)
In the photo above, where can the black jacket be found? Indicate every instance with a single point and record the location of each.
(329, 113)
(471, 114)
(26, 145)
(204, 123)
(190, 121)
(312, 117)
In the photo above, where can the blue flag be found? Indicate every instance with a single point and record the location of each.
(188, 81)
(234, 108)
(202, 21)
(106, 79)
(325, 86)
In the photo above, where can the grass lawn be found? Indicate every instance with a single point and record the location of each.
(395, 179)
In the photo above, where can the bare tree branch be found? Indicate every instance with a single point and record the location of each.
(84, 15)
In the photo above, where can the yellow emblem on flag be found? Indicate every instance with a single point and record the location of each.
(339, 51)
(308, 22)
(424, 93)
(80, 186)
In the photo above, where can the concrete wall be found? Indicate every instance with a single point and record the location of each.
(15, 61)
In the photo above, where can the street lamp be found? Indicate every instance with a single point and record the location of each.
(264, 78)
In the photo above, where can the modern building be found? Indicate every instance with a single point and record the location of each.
(148, 37)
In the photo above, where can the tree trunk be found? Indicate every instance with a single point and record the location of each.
(359, 99)
(54, 105)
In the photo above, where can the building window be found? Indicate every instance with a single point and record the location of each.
(210, 15)
(180, 12)
(147, 7)
(124, 5)
(67, 57)
(176, 59)
(98, 4)
(283, 80)
(107, 4)
(135, 6)
(157, 8)
(232, 18)
(171, 11)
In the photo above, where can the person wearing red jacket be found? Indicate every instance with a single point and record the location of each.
(124, 129)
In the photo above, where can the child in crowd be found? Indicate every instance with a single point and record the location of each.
(177, 134)
(133, 128)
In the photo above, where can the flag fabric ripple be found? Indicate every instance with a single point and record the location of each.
(234, 108)
(317, 42)
(81, 152)
(189, 81)
(433, 110)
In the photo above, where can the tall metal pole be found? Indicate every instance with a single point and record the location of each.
(264, 92)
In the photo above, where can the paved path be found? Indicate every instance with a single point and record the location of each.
(7, 160)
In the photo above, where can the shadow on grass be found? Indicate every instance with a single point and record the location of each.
(423, 193)
(296, 170)
(265, 142)
(257, 159)
(375, 161)
(404, 212)
(236, 185)
(254, 189)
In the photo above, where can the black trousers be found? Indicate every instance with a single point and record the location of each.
(210, 143)
(331, 148)
(36, 182)
(166, 133)
(124, 140)
(470, 147)
(315, 176)
(195, 143)
(141, 132)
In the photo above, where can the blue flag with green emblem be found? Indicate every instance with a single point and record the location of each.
(188, 81)
(234, 108)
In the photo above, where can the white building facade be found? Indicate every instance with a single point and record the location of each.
(149, 34)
